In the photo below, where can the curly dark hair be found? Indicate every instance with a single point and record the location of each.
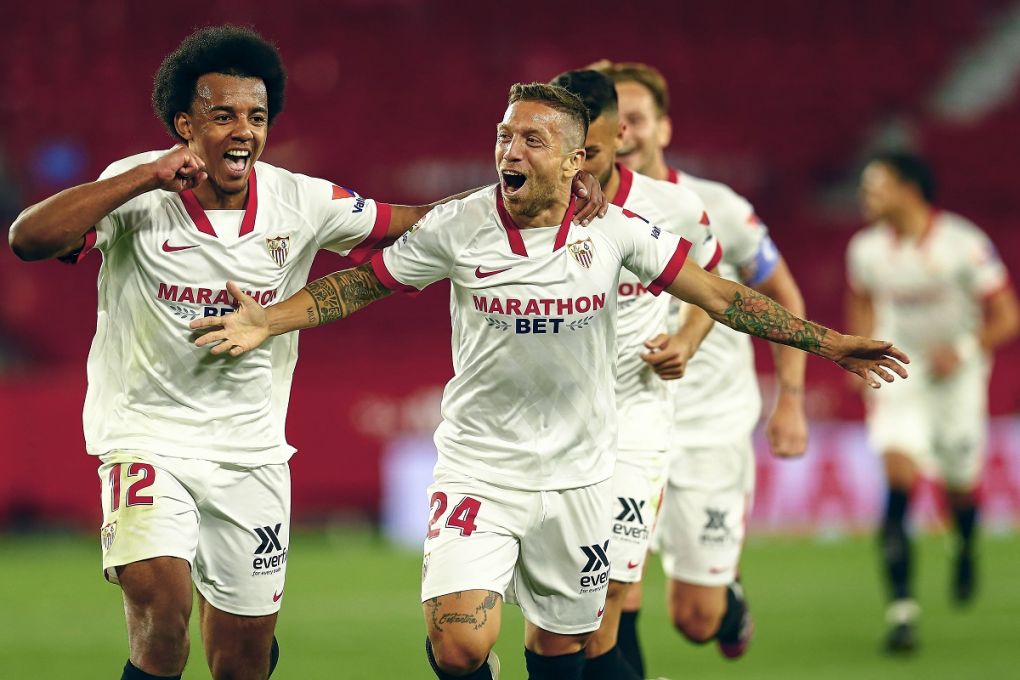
(910, 168)
(230, 50)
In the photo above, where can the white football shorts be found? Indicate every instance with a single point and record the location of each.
(231, 523)
(941, 424)
(638, 485)
(704, 511)
(543, 550)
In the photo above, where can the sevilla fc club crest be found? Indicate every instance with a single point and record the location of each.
(107, 534)
(582, 251)
(278, 247)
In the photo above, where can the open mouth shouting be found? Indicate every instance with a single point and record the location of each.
(237, 161)
(511, 181)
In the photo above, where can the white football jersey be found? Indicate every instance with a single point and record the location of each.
(718, 395)
(165, 263)
(927, 290)
(642, 398)
(531, 404)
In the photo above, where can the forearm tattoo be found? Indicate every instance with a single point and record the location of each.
(477, 619)
(340, 294)
(757, 314)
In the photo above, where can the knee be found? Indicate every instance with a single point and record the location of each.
(697, 624)
(459, 656)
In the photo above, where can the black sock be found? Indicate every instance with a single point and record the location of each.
(565, 667)
(132, 672)
(733, 618)
(628, 643)
(610, 666)
(966, 522)
(274, 656)
(895, 544)
(481, 673)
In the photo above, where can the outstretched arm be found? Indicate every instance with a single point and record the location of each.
(332, 297)
(748, 311)
(57, 225)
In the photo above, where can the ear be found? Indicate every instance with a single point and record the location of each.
(618, 142)
(573, 162)
(665, 131)
(182, 123)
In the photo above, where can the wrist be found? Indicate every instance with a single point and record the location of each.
(832, 345)
(790, 392)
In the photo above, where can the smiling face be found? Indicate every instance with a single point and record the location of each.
(647, 131)
(226, 126)
(537, 154)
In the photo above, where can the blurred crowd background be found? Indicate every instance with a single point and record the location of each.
(398, 99)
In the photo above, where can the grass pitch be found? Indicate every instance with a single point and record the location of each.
(351, 611)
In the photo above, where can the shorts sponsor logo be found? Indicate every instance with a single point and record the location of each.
(630, 524)
(270, 555)
(595, 572)
(107, 534)
(715, 531)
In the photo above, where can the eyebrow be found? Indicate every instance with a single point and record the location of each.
(526, 131)
(230, 109)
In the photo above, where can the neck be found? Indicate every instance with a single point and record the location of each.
(548, 215)
(613, 185)
(657, 169)
(210, 197)
(912, 221)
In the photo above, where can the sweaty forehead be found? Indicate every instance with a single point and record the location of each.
(217, 89)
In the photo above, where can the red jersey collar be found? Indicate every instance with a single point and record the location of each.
(513, 232)
(197, 213)
(672, 176)
(626, 181)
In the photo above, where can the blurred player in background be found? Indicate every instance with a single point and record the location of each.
(644, 412)
(196, 484)
(717, 403)
(934, 282)
(523, 490)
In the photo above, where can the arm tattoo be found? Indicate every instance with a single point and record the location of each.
(760, 315)
(340, 294)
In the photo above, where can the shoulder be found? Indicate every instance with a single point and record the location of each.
(123, 165)
(958, 226)
(868, 239)
(465, 213)
(676, 201)
(719, 198)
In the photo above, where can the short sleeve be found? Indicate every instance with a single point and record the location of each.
(112, 226)
(651, 253)
(422, 256)
(348, 224)
(987, 273)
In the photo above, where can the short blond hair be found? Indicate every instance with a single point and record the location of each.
(636, 72)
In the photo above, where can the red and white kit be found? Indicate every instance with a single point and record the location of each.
(521, 501)
(929, 291)
(185, 436)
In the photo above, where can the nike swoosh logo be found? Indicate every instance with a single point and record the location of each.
(481, 275)
(717, 570)
(277, 596)
(167, 248)
(599, 615)
(633, 565)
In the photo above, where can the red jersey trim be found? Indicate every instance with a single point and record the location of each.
(513, 232)
(715, 258)
(386, 278)
(626, 181)
(673, 267)
(86, 248)
(197, 213)
(376, 239)
(672, 176)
